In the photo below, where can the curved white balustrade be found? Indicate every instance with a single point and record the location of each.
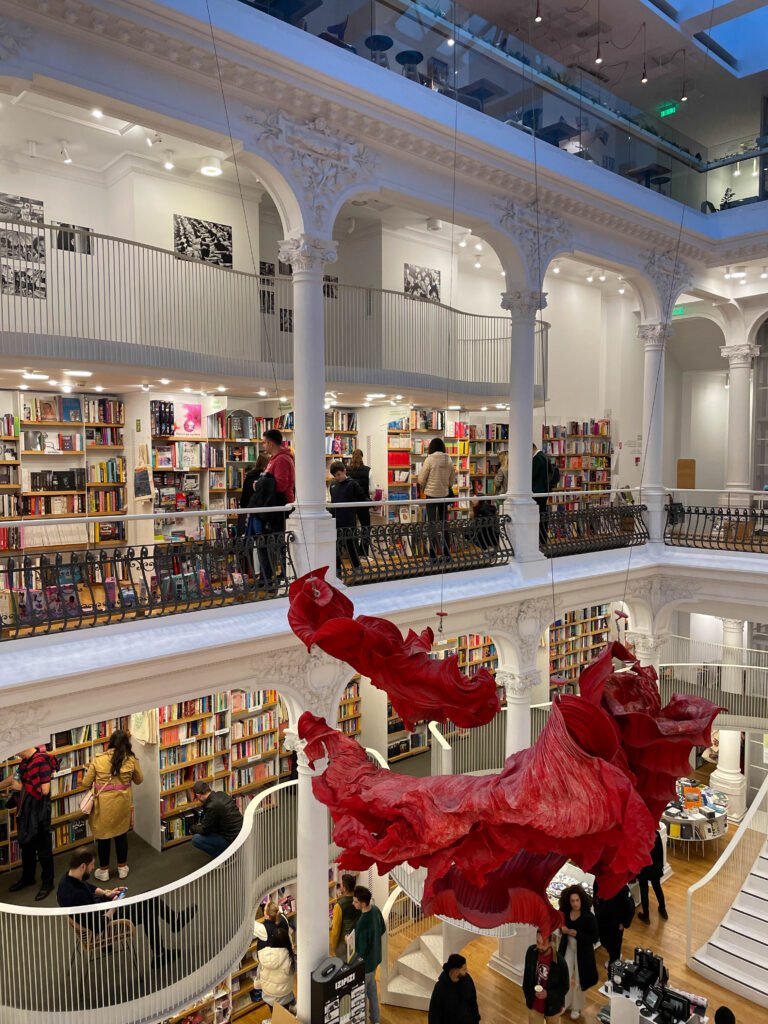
(102, 965)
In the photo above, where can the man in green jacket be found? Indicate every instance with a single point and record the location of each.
(369, 928)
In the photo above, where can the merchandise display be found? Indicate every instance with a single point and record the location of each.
(699, 814)
(579, 733)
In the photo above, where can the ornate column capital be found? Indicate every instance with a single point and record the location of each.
(307, 253)
(538, 234)
(654, 336)
(517, 685)
(646, 646)
(669, 275)
(292, 741)
(739, 356)
(523, 304)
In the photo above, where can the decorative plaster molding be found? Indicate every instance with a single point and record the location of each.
(517, 684)
(540, 235)
(669, 274)
(14, 37)
(313, 680)
(654, 336)
(23, 725)
(320, 161)
(661, 591)
(740, 356)
(524, 304)
(306, 253)
(646, 647)
(524, 622)
(735, 625)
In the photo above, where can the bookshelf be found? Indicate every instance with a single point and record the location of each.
(574, 641)
(340, 436)
(74, 748)
(582, 450)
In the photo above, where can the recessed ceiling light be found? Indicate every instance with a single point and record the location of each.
(764, 274)
(64, 152)
(478, 246)
(23, 387)
(66, 388)
(556, 269)
(483, 408)
(31, 375)
(164, 380)
(454, 408)
(98, 113)
(590, 277)
(451, 41)
(374, 394)
(221, 388)
(602, 276)
(478, 263)
(98, 387)
(622, 290)
(727, 274)
(168, 163)
(187, 391)
(77, 373)
(399, 398)
(367, 405)
(262, 393)
(210, 166)
(144, 387)
(499, 405)
(52, 383)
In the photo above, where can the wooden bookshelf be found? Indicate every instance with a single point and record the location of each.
(574, 641)
(582, 451)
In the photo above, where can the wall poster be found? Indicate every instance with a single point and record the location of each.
(203, 240)
(421, 282)
(22, 247)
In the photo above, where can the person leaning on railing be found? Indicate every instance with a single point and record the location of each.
(344, 490)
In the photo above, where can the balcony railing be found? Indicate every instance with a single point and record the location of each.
(594, 527)
(149, 956)
(478, 751)
(104, 298)
(401, 550)
(735, 523)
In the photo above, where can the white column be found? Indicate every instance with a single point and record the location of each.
(734, 658)
(312, 878)
(653, 337)
(316, 536)
(727, 776)
(647, 649)
(523, 306)
(517, 689)
(738, 475)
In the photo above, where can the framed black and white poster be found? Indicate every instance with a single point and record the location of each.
(266, 269)
(72, 238)
(203, 240)
(286, 321)
(284, 269)
(421, 282)
(22, 247)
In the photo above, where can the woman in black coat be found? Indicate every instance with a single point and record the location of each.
(613, 916)
(361, 474)
(252, 474)
(652, 873)
(577, 946)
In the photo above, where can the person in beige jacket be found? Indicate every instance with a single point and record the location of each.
(112, 773)
(436, 480)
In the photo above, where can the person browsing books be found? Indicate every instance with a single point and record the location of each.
(221, 821)
(361, 474)
(345, 490)
(32, 783)
(111, 773)
(345, 916)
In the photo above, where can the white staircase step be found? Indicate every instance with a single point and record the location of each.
(736, 979)
(747, 920)
(432, 944)
(740, 935)
(402, 991)
(723, 948)
(419, 967)
(753, 901)
(757, 879)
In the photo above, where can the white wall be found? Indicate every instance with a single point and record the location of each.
(703, 426)
(673, 386)
(67, 198)
(706, 628)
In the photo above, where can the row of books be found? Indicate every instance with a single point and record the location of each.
(426, 419)
(73, 832)
(254, 773)
(340, 419)
(589, 446)
(67, 737)
(187, 731)
(64, 784)
(349, 726)
(10, 505)
(107, 472)
(161, 418)
(244, 727)
(9, 425)
(60, 505)
(103, 410)
(185, 776)
(575, 428)
(241, 425)
(54, 443)
(595, 611)
(52, 408)
(189, 708)
(186, 752)
(341, 445)
(177, 828)
(253, 747)
(10, 854)
(246, 700)
(106, 501)
(99, 437)
(72, 479)
(72, 760)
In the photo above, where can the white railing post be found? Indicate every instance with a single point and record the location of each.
(441, 752)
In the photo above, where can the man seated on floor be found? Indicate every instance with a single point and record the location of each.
(221, 821)
(76, 891)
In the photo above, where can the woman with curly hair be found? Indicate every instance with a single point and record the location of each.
(577, 946)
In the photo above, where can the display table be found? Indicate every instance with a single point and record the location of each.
(623, 1009)
(699, 815)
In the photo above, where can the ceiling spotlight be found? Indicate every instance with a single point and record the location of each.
(262, 393)
(537, 15)
(187, 391)
(283, 398)
(23, 387)
(503, 273)
(168, 163)
(77, 373)
(454, 408)
(602, 276)
(464, 240)
(144, 387)
(164, 380)
(622, 290)
(392, 403)
(98, 113)
(556, 269)
(221, 388)
(499, 405)
(367, 405)
(478, 246)
(483, 408)
(374, 394)
(66, 388)
(598, 55)
(29, 375)
(52, 383)
(764, 273)
(98, 387)
(451, 42)
(644, 76)
(398, 398)
(739, 273)
(737, 171)
(210, 166)
(590, 277)
(727, 273)
(727, 381)
(477, 263)
(64, 153)
(154, 140)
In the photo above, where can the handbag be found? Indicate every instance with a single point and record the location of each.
(88, 802)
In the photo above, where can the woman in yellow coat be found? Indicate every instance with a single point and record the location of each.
(111, 773)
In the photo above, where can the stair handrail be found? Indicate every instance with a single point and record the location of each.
(442, 754)
(759, 806)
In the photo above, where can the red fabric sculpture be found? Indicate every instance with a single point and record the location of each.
(418, 686)
(588, 791)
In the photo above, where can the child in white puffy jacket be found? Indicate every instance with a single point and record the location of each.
(277, 966)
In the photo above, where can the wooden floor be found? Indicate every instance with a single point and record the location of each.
(501, 1002)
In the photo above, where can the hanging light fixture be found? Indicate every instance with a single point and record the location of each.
(537, 16)
(737, 171)
(601, 278)
(590, 277)
(684, 91)
(644, 76)
(598, 55)
(64, 153)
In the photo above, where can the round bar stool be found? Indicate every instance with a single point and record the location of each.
(409, 61)
(661, 180)
(378, 45)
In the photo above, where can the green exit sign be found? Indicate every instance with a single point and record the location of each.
(678, 311)
(668, 109)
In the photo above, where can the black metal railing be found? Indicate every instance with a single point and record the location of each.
(401, 550)
(720, 529)
(594, 528)
(73, 590)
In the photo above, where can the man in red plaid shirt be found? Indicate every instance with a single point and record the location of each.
(33, 819)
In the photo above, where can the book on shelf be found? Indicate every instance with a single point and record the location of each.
(9, 425)
(110, 470)
(103, 410)
(161, 419)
